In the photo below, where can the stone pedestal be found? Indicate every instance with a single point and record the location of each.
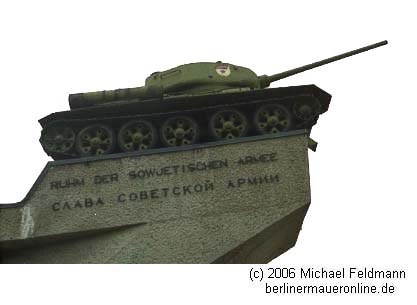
(242, 201)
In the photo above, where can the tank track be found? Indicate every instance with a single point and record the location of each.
(187, 120)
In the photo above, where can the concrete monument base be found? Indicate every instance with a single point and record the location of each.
(241, 201)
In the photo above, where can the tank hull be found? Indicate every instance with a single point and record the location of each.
(199, 107)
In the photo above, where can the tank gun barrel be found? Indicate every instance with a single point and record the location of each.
(275, 77)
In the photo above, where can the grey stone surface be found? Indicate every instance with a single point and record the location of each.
(203, 206)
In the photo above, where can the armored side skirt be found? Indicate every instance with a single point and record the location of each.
(225, 202)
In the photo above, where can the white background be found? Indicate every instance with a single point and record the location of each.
(363, 176)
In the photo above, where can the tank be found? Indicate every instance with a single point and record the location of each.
(189, 104)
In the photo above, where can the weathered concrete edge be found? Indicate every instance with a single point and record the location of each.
(148, 152)
(9, 247)
(259, 243)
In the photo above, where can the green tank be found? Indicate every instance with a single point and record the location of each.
(189, 104)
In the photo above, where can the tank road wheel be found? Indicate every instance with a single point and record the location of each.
(305, 111)
(228, 124)
(95, 140)
(272, 118)
(58, 139)
(137, 135)
(178, 131)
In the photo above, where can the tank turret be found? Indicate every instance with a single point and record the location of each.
(189, 104)
(192, 79)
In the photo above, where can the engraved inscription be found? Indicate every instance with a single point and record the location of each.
(67, 183)
(106, 178)
(164, 192)
(261, 158)
(252, 181)
(77, 204)
(178, 169)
